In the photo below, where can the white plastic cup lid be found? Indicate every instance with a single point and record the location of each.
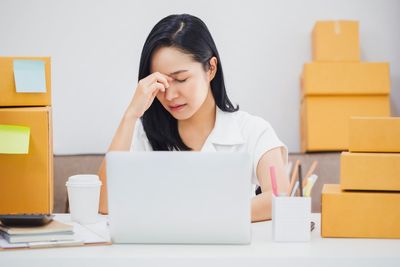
(83, 180)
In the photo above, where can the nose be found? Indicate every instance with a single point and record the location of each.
(171, 93)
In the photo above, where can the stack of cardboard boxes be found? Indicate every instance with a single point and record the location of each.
(26, 179)
(367, 201)
(337, 85)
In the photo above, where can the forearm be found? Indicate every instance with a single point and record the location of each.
(261, 207)
(122, 141)
(146, 91)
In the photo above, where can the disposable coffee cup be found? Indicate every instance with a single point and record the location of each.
(83, 196)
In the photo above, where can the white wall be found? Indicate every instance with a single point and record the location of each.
(95, 48)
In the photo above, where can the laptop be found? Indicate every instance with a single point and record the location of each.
(179, 197)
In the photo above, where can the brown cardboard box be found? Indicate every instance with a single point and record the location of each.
(26, 180)
(359, 214)
(325, 119)
(9, 96)
(345, 78)
(370, 171)
(336, 41)
(375, 134)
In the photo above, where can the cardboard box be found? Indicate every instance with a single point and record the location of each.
(375, 134)
(370, 171)
(336, 41)
(345, 78)
(359, 214)
(26, 180)
(325, 119)
(9, 96)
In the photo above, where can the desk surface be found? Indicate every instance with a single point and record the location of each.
(262, 251)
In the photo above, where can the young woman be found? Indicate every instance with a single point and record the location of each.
(180, 103)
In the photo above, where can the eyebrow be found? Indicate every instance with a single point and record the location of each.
(177, 72)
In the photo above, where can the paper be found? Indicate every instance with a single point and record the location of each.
(89, 235)
(29, 76)
(14, 139)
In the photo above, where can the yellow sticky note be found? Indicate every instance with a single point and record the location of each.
(14, 139)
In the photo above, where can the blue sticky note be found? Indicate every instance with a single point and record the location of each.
(29, 76)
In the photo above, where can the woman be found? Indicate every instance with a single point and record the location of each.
(180, 103)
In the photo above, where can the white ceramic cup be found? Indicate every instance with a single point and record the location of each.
(83, 197)
(291, 219)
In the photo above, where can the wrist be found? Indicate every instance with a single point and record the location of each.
(131, 115)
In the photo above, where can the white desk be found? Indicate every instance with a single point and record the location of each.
(261, 252)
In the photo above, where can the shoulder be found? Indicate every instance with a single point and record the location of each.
(259, 137)
(256, 131)
(250, 124)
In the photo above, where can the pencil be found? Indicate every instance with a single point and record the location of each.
(296, 186)
(293, 178)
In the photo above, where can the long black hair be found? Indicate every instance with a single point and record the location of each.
(190, 35)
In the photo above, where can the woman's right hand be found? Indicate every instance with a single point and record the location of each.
(146, 90)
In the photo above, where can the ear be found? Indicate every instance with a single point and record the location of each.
(213, 68)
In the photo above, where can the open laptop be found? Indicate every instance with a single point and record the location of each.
(179, 197)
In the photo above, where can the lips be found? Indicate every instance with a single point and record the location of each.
(177, 107)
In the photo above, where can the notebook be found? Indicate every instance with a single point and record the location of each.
(50, 232)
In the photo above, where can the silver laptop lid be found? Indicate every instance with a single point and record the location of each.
(179, 197)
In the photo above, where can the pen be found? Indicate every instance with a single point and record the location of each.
(54, 244)
(300, 181)
(310, 172)
(273, 180)
(311, 181)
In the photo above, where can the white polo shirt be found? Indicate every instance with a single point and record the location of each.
(233, 132)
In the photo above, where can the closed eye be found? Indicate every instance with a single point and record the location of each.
(180, 81)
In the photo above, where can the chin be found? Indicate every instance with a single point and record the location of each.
(181, 117)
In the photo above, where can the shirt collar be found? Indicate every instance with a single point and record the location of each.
(226, 130)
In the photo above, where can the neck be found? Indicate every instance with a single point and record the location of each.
(204, 119)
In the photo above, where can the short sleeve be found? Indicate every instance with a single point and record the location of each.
(140, 142)
(266, 141)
